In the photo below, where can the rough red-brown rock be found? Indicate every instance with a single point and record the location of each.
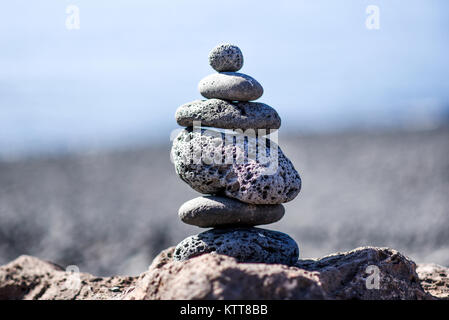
(212, 276)
(29, 278)
(345, 275)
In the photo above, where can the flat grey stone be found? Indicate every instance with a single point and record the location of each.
(248, 168)
(213, 211)
(230, 86)
(226, 57)
(228, 115)
(245, 244)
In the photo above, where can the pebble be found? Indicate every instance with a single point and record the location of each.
(254, 245)
(214, 163)
(228, 115)
(230, 86)
(226, 57)
(213, 211)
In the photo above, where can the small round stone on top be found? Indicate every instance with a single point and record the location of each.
(226, 57)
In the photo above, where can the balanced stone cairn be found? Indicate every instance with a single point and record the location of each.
(225, 152)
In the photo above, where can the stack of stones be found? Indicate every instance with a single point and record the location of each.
(242, 191)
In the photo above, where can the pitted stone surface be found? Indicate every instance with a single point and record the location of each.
(253, 170)
(214, 276)
(228, 115)
(226, 57)
(212, 211)
(244, 244)
(230, 86)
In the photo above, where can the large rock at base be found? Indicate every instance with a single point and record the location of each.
(213, 276)
(339, 276)
(251, 169)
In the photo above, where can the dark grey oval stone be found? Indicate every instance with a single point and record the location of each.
(213, 211)
(224, 114)
(245, 244)
(226, 57)
(230, 86)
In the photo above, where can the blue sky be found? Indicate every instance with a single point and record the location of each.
(121, 76)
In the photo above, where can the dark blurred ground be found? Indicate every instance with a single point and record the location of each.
(111, 212)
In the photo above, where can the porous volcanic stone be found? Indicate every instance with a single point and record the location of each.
(244, 244)
(212, 211)
(228, 115)
(230, 86)
(250, 169)
(226, 57)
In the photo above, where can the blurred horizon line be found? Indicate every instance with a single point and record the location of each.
(148, 139)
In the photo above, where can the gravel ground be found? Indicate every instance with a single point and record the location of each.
(112, 212)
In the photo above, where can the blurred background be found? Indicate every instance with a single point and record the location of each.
(86, 116)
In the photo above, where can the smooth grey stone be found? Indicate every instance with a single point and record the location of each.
(226, 57)
(228, 115)
(230, 86)
(248, 168)
(213, 211)
(245, 244)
